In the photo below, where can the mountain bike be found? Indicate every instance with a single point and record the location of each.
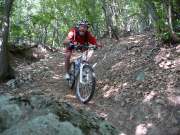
(82, 76)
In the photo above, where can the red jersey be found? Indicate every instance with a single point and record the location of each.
(73, 36)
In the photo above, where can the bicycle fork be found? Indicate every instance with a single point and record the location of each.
(84, 76)
(81, 74)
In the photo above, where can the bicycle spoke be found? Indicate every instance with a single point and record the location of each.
(85, 90)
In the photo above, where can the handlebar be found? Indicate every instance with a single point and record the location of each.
(81, 47)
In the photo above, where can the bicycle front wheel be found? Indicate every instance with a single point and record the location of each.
(85, 90)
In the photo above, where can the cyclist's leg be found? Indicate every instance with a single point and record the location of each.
(67, 60)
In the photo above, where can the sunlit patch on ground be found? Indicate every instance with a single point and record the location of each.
(57, 77)
(61, 64)
(0, 44)
(175, 100)
(135, 41)
(164, 59)
(112, 91)
(103, 115)
(122, 134)
(178, 49)
(118, 66)
(149, 96)
(70, 96)
(132, 38)
(177, 63)
(106, 87)
(166, 64)
(170, 86)
(142, 129)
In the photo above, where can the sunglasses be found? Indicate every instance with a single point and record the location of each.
(82, 30)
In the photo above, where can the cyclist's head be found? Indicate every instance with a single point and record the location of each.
(82, 26)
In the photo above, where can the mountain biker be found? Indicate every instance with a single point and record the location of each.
(77, 36)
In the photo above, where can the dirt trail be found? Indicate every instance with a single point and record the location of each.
(137, 85)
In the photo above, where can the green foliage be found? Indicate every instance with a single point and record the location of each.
(177, 25)
(54, 16)
(42, 18)
(1, 11)
(17, 30)
(165, 36)
(48, 21)
(1, 6)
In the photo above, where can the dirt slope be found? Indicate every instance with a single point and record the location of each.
(138, 85)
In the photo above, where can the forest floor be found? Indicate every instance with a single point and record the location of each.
(138, 84)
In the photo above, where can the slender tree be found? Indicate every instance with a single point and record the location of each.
(109, 12)
(5, 69)
(174, 37)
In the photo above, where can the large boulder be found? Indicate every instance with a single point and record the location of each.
(40, 115)
(9, 115)
(44, 125)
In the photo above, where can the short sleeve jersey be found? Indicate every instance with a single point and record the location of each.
(73, 36)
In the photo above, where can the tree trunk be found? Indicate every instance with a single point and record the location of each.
(153, 14)
(53, 37)
(45, 34)
(174, 37)
(6, 71)
(110, 19)
(40, 37)
(57, 33)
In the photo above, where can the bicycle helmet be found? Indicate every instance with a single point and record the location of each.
(83, 22)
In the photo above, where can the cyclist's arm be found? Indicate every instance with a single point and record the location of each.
(93, 41)
(69, 38)
(66, 41)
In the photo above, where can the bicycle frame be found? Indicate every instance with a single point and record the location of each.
(83, 61)
(82, 76)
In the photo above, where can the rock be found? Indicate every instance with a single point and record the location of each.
(121, 122)
(117, 97)
(44, 125)
(106, 129)
(141, 130)
(140, 76)
(9, 115)
(4, 100)
(173, 131)
(174, 120)
(160, 101)
(12, 83)
(123, 104)
(40, 115)
(127, 100)
(153, 130)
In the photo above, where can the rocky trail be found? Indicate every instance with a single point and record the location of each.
(138, 84)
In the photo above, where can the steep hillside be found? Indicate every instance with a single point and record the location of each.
(138, 84)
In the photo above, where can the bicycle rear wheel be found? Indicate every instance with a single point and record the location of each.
(71, 81)
(85, 92)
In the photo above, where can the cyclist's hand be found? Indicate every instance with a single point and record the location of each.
(78, 47)
(95, 48)
(99, 45)
(71, 45)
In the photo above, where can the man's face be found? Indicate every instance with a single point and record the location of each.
(82, 30)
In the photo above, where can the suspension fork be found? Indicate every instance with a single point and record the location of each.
(81, 73)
